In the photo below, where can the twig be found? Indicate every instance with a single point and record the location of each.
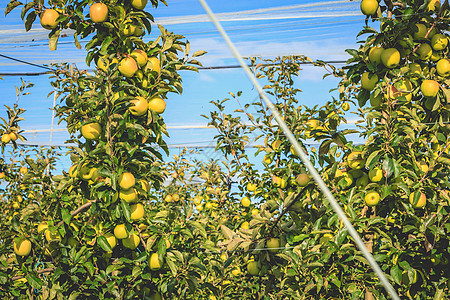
(47, 270)
(140, 235)
(78, 210)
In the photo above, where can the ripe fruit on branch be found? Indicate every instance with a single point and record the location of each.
(48, 19)
(155, 263)
(153, 64)
(140, 56)
(98, 12)
(157, 105)
(443, 67)
(6, 138)
(128, 67)
(421, 31)
(429, 88)
(369, 7)
(276, 145)
(420, 202)
(368, 81)
(91, 131)
(372, 198)
(129, 195)
(345, 106)
(22, 246)
(251, 187)
(139, 106)
(302, 179)
(355, 160)
(13, 136)
(279, 182)
(131, 242)
(390, 58)
(439, 42)
(375, 54)
(52, 237)
(402, 88)
(137, 211)
(422, 166)
(375, 101)
(246, 202)
(376, 174)
(273, 244)
(104, 59)
(245, 225)
(120, 231)
(126, 181)
(139, 4)
(253, 267)
(424, 51)
(111, 239)
(23, 170)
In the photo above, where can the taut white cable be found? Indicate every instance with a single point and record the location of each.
(304, 158)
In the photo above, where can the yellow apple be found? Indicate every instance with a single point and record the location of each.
(443, 67)
(91, 131)
(245, 225)
(48, 19)
(422, 166)
(13, 136)
(434, 5)
(127, 181)
(111, 239)
(251, 187)
(140, 56)
(52, 237)
(139, 4)
(439, 42)
(6, 138)
(137, 211)
(345, 106)
(120, 231)
(22, 246)
(369, 81)
(157, 105)
(246, 202)
(129, 195)
(369, 7)
(139, 106)
(155, 263)
(153, 65)
(376, 174)
(372, 198)
(355, 160)
(429, 88)
(390, 58)
(421, 202)
(276, 145)
(302, 179)
(128, 67)
(98, 12)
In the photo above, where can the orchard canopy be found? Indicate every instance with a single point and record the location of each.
(130, 220)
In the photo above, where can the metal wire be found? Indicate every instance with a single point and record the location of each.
(304, 158)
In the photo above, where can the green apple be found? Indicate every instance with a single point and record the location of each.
(375, 101)
(355, 160)
(375, 54)
(439, 42)
(443, 67)
(424, 51)
(369, 81)
(369, 7)
(362, 181)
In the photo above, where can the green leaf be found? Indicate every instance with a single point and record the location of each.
(126, 210)
(34, 281)
(388, 166)
(11, 5)
(103, 243)
(29, 20)
(198, 53)
(199, 227)
(53, 40)
(66, 216)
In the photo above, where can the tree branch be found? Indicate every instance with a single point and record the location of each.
(79, 209)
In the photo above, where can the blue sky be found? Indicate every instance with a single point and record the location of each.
(319, 29)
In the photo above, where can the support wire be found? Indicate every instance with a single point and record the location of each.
(304, 158)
